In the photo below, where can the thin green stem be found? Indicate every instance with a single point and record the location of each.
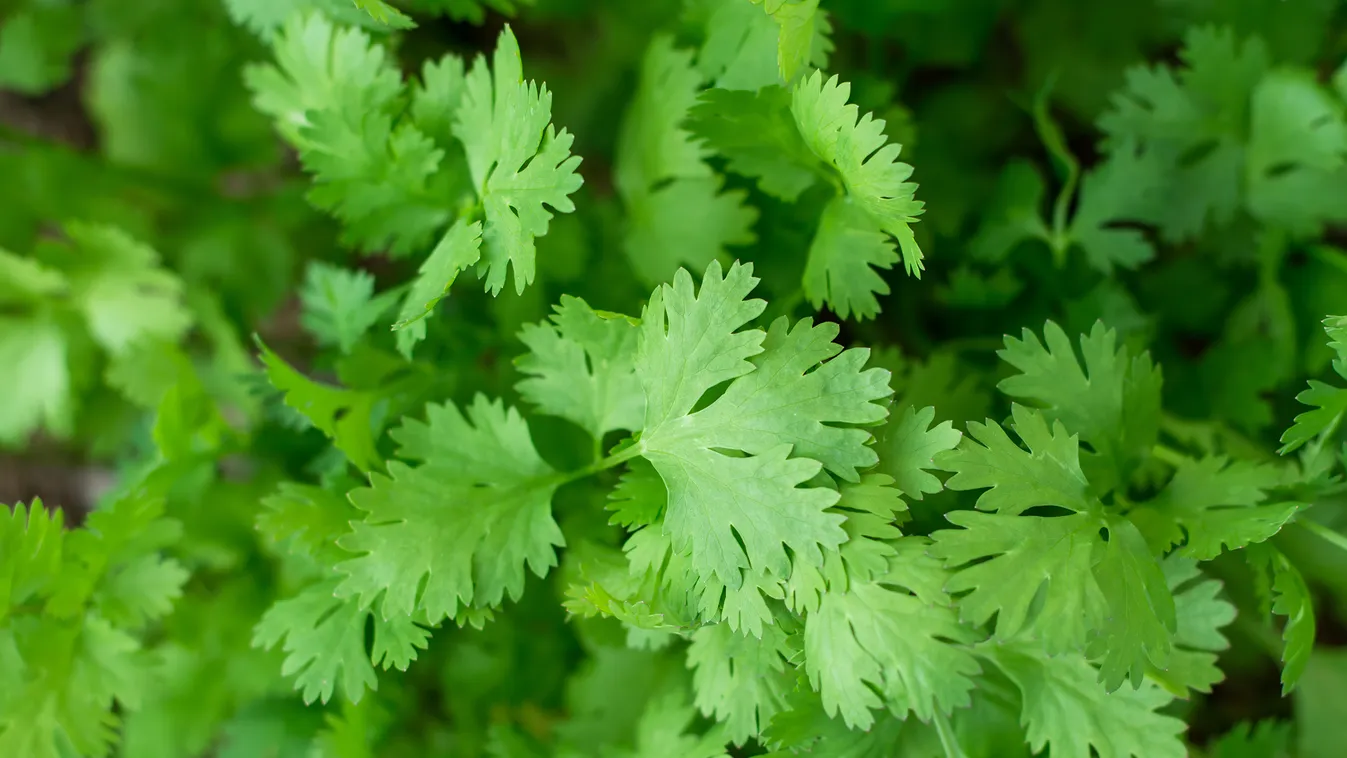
(948, 740)
(1169, 455)
(602, 464)
(1055, 143)
(1328, 535)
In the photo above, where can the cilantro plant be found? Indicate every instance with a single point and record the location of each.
(686, 379)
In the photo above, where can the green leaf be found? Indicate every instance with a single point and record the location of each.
(1192, 121)
(1048, 473)
(1201, 614)
(663, 730)
(740, 681)
(1112, 403)
(869, 170)
(1034, 574)
(335, 96)
(909, 446)
(459, 248)
(122, 292)
(843, 259)
(1329, 402)
(307, 519)
(385, 14)
(35, 350)
(1292, 599)
(339, 305)
(37, 45)
(1064, 709)
(1141, 621)
(798, 21)
(71, 679)
(1265, 739)
(725, 508)
(580, 366)
(1297, 142)
(1217, 504)
(677, 213)
(325, 642)
(347, 417)
(876, 646)
(755, 132)
(31, 539)
(1118, 191)
(518, 162)
(457, 531)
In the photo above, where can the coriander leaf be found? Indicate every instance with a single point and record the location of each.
(685, 221)
(307, 519)
(1138, 628)
(1291, 598)
(325, 642)
(797, 20)
(436, 97)
(756, 134)
(122, 292)
(1064, 709)
(71, 679)
(114, 563)
(347, 417)
(806, 729)
(1193, 121)
(868, 168)
(37, 45)
(1112, 403)
(1329, 402)
(335, 95)
(1035, 574)
(1048, 473)
(732, 512)
(663, 732)
(1015, 213)
(385, 14)
(639, 497)
(31, 539)
(459, 248)
(472, 11)
(580, 366)
(1119, 190)
(740, 681)
(908, 447)
(35, 350)
(740, 50)
(264, 17)
(807, 391)
(1201, 614)
(871, 506)
(1217, 504)
(677, 212)
(518, 161)
(457, 531)
(690, 342)
(843, 257)
(1296, 149)
(875, 645)
(140, 590)
(1265, 739)
(339, 305)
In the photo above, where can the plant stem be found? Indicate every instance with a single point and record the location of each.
(948, 740)
(1328, 535)
(1169, 455)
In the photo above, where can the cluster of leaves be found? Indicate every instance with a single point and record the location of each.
(697, 469)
